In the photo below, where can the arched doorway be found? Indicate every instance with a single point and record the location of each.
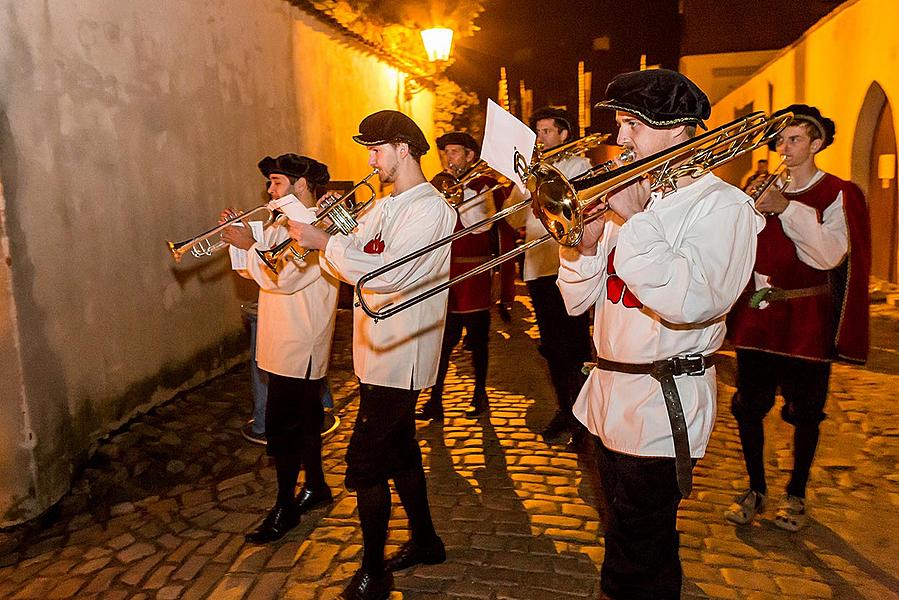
(874, 144)
(882, 198)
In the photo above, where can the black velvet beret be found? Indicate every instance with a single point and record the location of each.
(391, 126)
(811, 115)
(659, 97)
(458, 137)
(296, 166)
(549, 112)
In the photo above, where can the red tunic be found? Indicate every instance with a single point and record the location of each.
(468, 252)
(826, 326)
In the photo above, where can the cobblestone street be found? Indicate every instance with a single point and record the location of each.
(161, 509)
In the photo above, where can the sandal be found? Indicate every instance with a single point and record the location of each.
(745, 507)
(791, 514)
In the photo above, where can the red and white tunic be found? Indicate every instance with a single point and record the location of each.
(402, 351)
(806, 247)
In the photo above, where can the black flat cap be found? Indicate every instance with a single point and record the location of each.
(458, 137)
(811, 115)
(389, 127)
(659, 97)
(296, 166)
(549, 112)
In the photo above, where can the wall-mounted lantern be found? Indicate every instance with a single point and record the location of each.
(886, 169)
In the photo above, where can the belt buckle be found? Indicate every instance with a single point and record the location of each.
(690, 364)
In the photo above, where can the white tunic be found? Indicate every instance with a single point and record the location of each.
(686, 258)
(544, 259)
(821, 245)
(296, 313)
(401, 351)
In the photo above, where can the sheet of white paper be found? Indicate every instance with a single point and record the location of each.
(238, 255)
(283, 201)
(505, 137)
(296, 211)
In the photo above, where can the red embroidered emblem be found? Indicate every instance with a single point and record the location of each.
(616, 289)
(374, 245)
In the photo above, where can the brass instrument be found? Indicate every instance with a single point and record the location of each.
(625, 156)
(202, 245)
(573, 148)
(566, 206)
(454, 193)
(781, 174)
(341, 211)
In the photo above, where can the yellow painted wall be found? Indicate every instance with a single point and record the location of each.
(832, 67)
(338, 84)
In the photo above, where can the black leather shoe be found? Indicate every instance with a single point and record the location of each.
(431, 411)
(504, 312)
(368, 586)
(411, 554)
(309, 500)
(279, 521)
(479, 404)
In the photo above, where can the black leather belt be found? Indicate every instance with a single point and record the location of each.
(664, 371)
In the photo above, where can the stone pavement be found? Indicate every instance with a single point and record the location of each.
(161, 509)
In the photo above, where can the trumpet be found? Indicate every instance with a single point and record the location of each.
(341, 211)
(454, 192)
(203, 245)
(566, 206)
(781, 174)
(573, 148)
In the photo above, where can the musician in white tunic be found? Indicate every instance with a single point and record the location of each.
(393, 358)
(661, 284)
(293, 345)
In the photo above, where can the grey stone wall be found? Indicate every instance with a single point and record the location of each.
(123, 123)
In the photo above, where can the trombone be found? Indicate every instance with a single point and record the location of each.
(202, 245)
(340, 210)
(566, 206)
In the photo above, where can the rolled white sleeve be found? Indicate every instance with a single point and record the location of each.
(700, 280)
(820, 245)
(581, 278)
(350, 262)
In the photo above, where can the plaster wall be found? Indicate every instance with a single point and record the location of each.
(338, 85)
(832, 66)
(122, 124)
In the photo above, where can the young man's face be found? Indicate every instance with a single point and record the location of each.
(797, 147)
(385, 158)
(458, 158)
(641, 138)
(278, 186)
(549, 134)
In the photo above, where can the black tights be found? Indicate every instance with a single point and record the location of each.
(374, 515)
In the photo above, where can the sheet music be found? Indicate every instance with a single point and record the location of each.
(238, 255)
(507, 140)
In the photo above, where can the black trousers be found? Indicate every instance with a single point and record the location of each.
(293, 413)
(477, 327)
(641, 539)
(383, 442)
(803, 384)
(564, 340)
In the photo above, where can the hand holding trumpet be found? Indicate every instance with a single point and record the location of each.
(239, 237)
(308, 236)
